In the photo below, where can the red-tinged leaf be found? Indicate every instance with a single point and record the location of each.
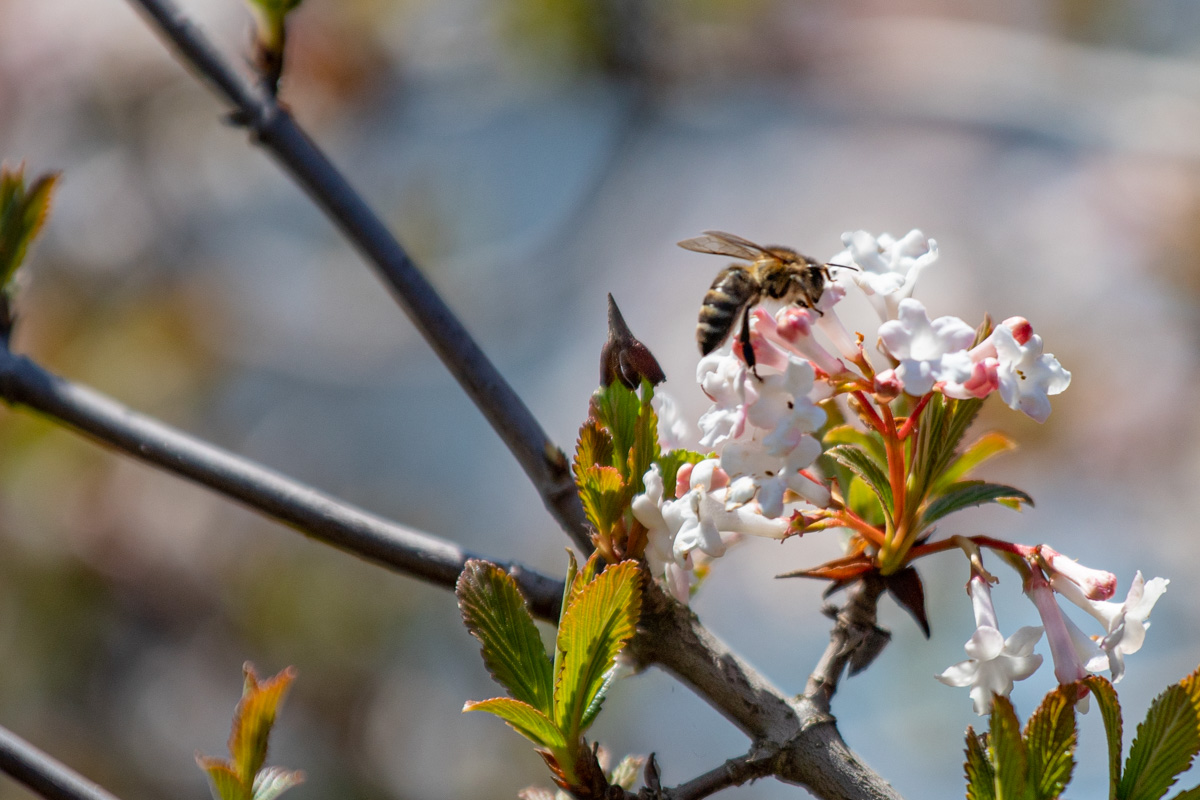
(1050, 738)
(1007, 751)
(981, 778)
(23, 212)
(494, 611)
(270, 782)
(605, 496)
(839, 570)
(254, 718)
(223, 779)
(593, 448)
(1110, 712)
(524, 719)
(598, 623)
(906, 589)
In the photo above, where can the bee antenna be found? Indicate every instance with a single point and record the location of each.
(844, 266)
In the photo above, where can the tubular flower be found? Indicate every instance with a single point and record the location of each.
(888, 267)
(1073, 653)
(928, 351)
(1124, 623)
(994, 663)
(1027, 376)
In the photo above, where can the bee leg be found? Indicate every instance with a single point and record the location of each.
(744, 343)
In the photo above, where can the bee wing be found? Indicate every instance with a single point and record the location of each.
(725, 244)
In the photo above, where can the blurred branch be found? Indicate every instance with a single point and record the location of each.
(855, 641)
(40, 773)
(314, 514)
(733, 772)
(275, 129)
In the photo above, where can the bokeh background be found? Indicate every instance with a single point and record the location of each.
(534, 155)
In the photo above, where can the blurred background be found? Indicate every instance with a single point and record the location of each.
(534, 155)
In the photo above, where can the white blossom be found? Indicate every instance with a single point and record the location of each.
(928, 351)
(1026, 376)
(888, 268)
(994, 663)
(1124, 623)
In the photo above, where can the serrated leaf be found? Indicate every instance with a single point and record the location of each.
(604, 495)
(1188, 794)
(981, 778)
(1164, 746)
(23, 212)
(1050, 738)
(982, 449)
(223, 780)
(589, 713)
(618, 408)
(524, 719)
(1007, 751)
(593, 447)
(598, 623)
(868, 469)
(863, 501)
(494, 611)
(965, 494)
(254, 718)
(645, 448)
(1110, 712)
(271, 782)
(669, 464)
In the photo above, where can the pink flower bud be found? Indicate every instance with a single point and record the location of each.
(888, 385)
(1020, 327)
(1096, 584)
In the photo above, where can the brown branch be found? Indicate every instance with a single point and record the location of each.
(40, 773)
(301, 507)
(275, 130)
(854, 641)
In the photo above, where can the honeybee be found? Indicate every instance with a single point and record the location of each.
(776, 273)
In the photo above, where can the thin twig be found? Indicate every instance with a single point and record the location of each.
(733, 772)
(275, 129)
(42, 774)
(309, 511)
(855, 640)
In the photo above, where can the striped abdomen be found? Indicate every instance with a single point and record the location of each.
(731, 292)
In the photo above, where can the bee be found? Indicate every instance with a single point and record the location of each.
(776, 273)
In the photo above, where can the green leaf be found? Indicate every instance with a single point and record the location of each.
(223, 779)
(981, 778)
(1164, 746)
(589, 713)
(863, 501)
(970, 493)
(1110, 712)
(1050, 739)
(594, 447)
(618, 409)
(1007, 752)
(939, 432)
(848, 434)
(604, 495)
(645, 449)
(868, 469)
(1188, 794)
(669, 464)
(524, 719)
(598, 623)
(254, 718)
(271, 782)
(23, 212)
(495, 613)
(982, 449)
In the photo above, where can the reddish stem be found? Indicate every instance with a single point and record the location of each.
(867, 409)
(911, 422)
(861, 526)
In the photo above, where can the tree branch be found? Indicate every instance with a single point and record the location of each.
(855, 641)
(42, 774)
(276, 130)
(301, 507)
(733, 772)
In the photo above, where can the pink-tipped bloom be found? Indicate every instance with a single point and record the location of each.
(994, 663)
(1069, 648)
(1096, 584)
(1124, 623)
(1027, 376)
(792, 328)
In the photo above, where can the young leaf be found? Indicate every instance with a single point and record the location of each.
(618, 408)
(494, 612)
(1188, 794)
(1163, 747)
(848, 434)
(1008, 753)
(669, 464)
(593, 448)
(985, 447)
(1110, 712)
(1050, 739)
(254, 718)
(524, 719)
(981, 778)
(625, 774)
(645, 441)
(970, 493)
(23, 211)
(867, 468)
(223, 780)
(593, 630)
(271, 782)
(862, 501)
(604, 495)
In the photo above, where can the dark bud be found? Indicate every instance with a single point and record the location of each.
(906, 589)
(623, 358)
(652, 778)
